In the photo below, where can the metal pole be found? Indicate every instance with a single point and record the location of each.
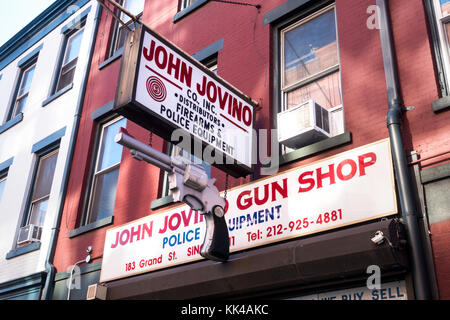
(406, 194)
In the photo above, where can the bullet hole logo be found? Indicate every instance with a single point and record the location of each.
(156, 89)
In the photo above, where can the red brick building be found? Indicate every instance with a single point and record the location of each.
(281, 54)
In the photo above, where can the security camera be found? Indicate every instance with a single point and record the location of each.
(378, 238)
(89, 249)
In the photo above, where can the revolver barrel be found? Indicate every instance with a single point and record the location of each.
(141, 151)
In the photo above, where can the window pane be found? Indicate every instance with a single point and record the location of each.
(136, 7)
(110, 152)
(72, 64)
(445, 7)
(2, 187)
(325, 91)
(44, 176)
(38, 210)
(20, 105)
(73, 46)
(133, 6)
(26, 81)
(211, 64)
(121, 37)
(187, 3)
(104, 195)
(310, 48)
(66, 78)
(447, 30)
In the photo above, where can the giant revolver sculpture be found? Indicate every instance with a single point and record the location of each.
(188, 183)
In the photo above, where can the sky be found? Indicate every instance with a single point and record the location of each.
(16, 14)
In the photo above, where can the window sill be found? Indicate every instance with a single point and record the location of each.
(103, 111)
(161, 202)
(114, 57)
(441, 104)
(23, 250)
(57, 94)
(181, 14)
(92, 226)
(315, 148)
(283, 10)
(11, 123)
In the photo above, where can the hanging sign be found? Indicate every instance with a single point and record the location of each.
(348, 188)
(163, 89)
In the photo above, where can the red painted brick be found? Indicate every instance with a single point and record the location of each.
(245, 62)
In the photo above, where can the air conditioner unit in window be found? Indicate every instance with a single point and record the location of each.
(304, 124)
(28, 234)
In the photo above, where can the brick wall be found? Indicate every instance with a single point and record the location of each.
(245, 62)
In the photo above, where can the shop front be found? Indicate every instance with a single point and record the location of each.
(326, 230)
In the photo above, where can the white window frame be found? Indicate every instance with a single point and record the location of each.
(185, 4)
(212, 64)
(96, 173)
(284, 90)
(115, 41)
(39, 167)
(3, 178)
(118, 27)
(67, 42)
(443, 38)
(23, 71)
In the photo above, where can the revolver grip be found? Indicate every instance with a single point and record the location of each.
(216, 245)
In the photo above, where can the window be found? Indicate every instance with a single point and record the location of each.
(310, 62)
(4, 169)
(310, 68)
(442, 14)
(120, 34)
(187, 3)
(211, 63)
(186, 7)
(106, 173)
(2, 184)
(41, 188)
(70, 58)
(23, 89)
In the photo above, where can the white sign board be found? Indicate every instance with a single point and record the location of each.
(172, 90)
(348, 188)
